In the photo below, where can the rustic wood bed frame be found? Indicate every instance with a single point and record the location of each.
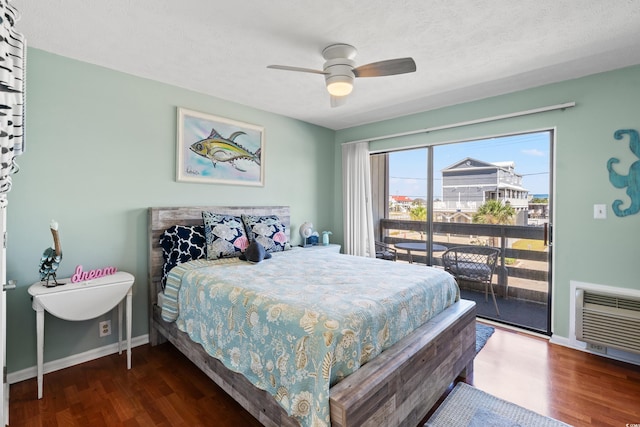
(397, 388)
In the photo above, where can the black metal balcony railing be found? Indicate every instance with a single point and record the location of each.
(496, 235)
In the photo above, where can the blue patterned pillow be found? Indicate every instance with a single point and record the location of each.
(268, 231)
(181, 243)
(225, 235)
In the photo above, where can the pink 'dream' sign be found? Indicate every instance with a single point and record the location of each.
(81, 276)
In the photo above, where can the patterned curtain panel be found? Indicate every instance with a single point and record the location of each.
(13, 52)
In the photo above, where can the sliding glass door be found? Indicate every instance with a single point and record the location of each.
(493, 192)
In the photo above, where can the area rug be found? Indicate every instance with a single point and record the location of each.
(483, 332)
(466, 406)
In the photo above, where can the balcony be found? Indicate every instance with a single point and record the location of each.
(465, 206)
(522, 275)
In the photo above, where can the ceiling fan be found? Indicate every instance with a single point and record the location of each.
(339, 70)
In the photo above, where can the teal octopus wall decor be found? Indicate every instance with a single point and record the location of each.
(631, 180)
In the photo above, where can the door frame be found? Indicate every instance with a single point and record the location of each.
(382, 211)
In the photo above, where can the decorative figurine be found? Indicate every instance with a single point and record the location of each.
(51, 258)
(306, 230)
(325, 237)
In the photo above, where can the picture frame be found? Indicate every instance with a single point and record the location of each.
(217, 150)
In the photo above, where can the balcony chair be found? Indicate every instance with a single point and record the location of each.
(474, 264)
(385, 251)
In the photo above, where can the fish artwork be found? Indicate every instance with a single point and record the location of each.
(219, 149)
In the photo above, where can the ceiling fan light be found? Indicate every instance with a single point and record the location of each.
(340, 88)
(340, 85)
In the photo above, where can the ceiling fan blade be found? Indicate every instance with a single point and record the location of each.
(337, 101)
(300, 69)
(386, 68)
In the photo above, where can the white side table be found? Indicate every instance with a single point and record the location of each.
(82, 301)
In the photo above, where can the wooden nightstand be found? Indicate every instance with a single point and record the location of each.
(82, 301)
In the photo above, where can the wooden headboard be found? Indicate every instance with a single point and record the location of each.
(162, 218)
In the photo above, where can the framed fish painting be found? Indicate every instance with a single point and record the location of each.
(218, 150)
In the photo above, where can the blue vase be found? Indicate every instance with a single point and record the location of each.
(325, 237)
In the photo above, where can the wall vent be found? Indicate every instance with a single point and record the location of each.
(607, 319)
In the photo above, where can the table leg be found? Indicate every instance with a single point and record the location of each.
(120, 327)
(129, 294)
(40, 347)
(410, 257)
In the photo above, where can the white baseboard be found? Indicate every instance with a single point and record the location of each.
(611, 353)
(75, 359)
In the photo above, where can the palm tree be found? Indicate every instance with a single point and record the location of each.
(494, 212)
(418, 213)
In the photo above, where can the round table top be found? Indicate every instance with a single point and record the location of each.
(82, 300)
(420, 246)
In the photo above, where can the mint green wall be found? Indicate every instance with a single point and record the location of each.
(100, 151)
(595, 251)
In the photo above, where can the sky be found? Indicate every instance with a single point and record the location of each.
(530, 152)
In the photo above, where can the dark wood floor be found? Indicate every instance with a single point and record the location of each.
(575, 387)
(164, 389)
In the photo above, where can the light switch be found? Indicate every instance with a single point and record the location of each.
(599, 211)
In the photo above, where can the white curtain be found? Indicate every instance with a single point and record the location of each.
(356, 196)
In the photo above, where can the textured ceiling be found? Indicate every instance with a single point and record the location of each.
(464, 50)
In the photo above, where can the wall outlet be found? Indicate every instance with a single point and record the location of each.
(599, 211)
(105, 328)
(597, 348)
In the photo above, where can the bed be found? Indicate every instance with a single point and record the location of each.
(397, 387)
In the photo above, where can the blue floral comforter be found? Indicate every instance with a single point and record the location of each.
(297, 323)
